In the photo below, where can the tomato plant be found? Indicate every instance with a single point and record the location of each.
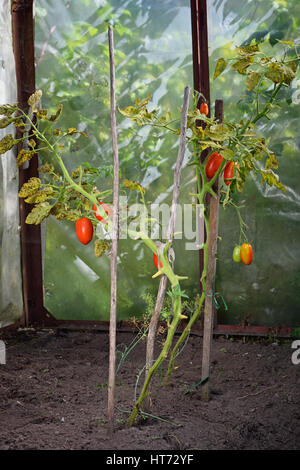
(84, 230)
(246, 253)
(75, 197)
(213, 163)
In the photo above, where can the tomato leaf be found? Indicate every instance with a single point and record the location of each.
(30, 187)
(38, 213)
(220, 67)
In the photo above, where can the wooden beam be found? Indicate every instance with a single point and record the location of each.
(31, 252)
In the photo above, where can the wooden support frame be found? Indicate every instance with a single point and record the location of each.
(209, 310)
(31, 247)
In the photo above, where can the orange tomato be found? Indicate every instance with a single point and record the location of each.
(204, 109)
(246, 253)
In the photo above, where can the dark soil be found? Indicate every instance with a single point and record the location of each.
(53, 395)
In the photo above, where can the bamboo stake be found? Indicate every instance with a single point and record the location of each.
(114, 249)
(170, 233)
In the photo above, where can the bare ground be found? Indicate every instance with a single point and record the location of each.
(53, 395)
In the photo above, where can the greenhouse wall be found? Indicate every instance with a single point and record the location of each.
(153, 54)
(153, 42)
(11, 300)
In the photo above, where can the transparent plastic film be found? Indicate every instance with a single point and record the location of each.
(153, 54)
(11, 303)
(265, 293)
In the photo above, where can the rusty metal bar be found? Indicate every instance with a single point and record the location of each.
(31, 253)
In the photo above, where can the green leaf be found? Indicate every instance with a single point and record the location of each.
(220, 67)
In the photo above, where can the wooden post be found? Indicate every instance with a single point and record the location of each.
(201, 79)
(209, 309)
(114, 248)
(31, 247)
(170, 234)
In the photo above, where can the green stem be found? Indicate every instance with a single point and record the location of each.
(163, 355)
(197, 313)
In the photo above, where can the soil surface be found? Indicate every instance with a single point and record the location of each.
(53, 395)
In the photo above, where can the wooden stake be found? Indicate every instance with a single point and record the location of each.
(210, 276)
(114, 248)
(170, 233)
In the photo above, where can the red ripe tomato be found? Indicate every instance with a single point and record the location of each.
(107, 209)
(246, 253)
(84, 230)
(213, 163)
(155, 261)
(204, 109)
(228, 173)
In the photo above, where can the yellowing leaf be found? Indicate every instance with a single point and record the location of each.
(220, 67)
(7, 143)
(46, 168)
(248, 50)
(100, 247)
(38, 213)
(56, 116)
(6, 121)
(252, 80)
(133, 185)
(30, 187)
(24, 156)
(241, 65)
(8, 109)
(34, 99)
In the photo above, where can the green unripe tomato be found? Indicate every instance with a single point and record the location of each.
(236, 255)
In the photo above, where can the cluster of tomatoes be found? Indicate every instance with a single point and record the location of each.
(84, 227)
(215, 159)
(212, 165)
(243, 253)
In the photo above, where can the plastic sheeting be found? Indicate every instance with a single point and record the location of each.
(11, 303)
(267, 292)
(153, 54)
